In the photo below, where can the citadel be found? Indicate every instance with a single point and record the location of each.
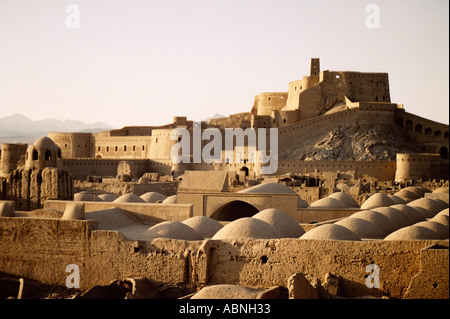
(358, 181)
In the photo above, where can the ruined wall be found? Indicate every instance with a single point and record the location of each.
(41, 249)
(30, 188)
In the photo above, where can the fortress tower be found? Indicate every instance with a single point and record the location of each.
(315, 67)
(10, 154)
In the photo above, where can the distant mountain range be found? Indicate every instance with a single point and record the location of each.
(18, 128)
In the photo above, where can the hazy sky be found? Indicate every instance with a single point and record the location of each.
(134, 62)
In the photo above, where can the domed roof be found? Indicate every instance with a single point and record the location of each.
(431, 205)
(269, 188)
(397, 199)
(412, 232)
(45, 142)
(396, 216)
(225, 291)
(85, 196)
(377, 200)
(170, 200)
(248, 227)
(203, 225)
(413, 214)
(419, 191)
(361, 228)
(129, 198)
(345, 198)
(328, 203)
(440, 229)
(153, 197)
(406, 195)
(441, 190)
(442, 217)
(287, 225)
(330, 231)
(302, 203)
(173, 230)
(108, 197)
(378, 219)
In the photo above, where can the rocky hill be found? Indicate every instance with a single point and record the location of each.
(350, 142)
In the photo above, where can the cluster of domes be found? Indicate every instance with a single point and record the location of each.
(149, 197)
(335, 201)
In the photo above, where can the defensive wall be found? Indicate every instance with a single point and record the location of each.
(41, 249)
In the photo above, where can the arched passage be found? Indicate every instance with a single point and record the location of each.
(234, 210)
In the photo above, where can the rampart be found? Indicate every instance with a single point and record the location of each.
(41, 249)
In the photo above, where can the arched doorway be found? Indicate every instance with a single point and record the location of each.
(234, 210)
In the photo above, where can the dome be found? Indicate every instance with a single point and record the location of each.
(302, 203)
(170, 200)
(129, 198)
(397, 199)
(153, 197)
(413, 214)
(287, 225)
(248, 227)
(85, 196)
(328, 203)
(45, 142)
(361, 228)
(225, 291)
(442, 217)
(203, 225)
(330, 231)
(440, 229)
(269, 188)
(413, 232)
(417, 190)
(441, 190)
(108, 197)
(173, 230)
(377, 200)
(432, 206)
(397, 218)
(378, 219)
(345, 198)
(406, 195)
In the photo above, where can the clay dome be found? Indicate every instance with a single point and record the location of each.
(108, 197)
(413, 214)
(397, 199)
(361, 228)
(345, 198)
(203, 225)
(431, 205)
(173, 230)
(85, 196)
(441, 190)
(170, 200)
(397, 218)
(440, 229)
(269, 188)
(153, 197)
(417, 190)
(406, 195)
(442, 218)
(248, 227)
(287, 225)
(225, 291)
(328, 203)
(129, 198)
(330, 231)
(378, 219)
(43, 153)
(377, 200)
(45, 142)
(412, 232)
(302, 203)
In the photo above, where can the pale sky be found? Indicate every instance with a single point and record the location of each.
(136, 62)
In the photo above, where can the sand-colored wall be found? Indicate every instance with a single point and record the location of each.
(42, 248)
